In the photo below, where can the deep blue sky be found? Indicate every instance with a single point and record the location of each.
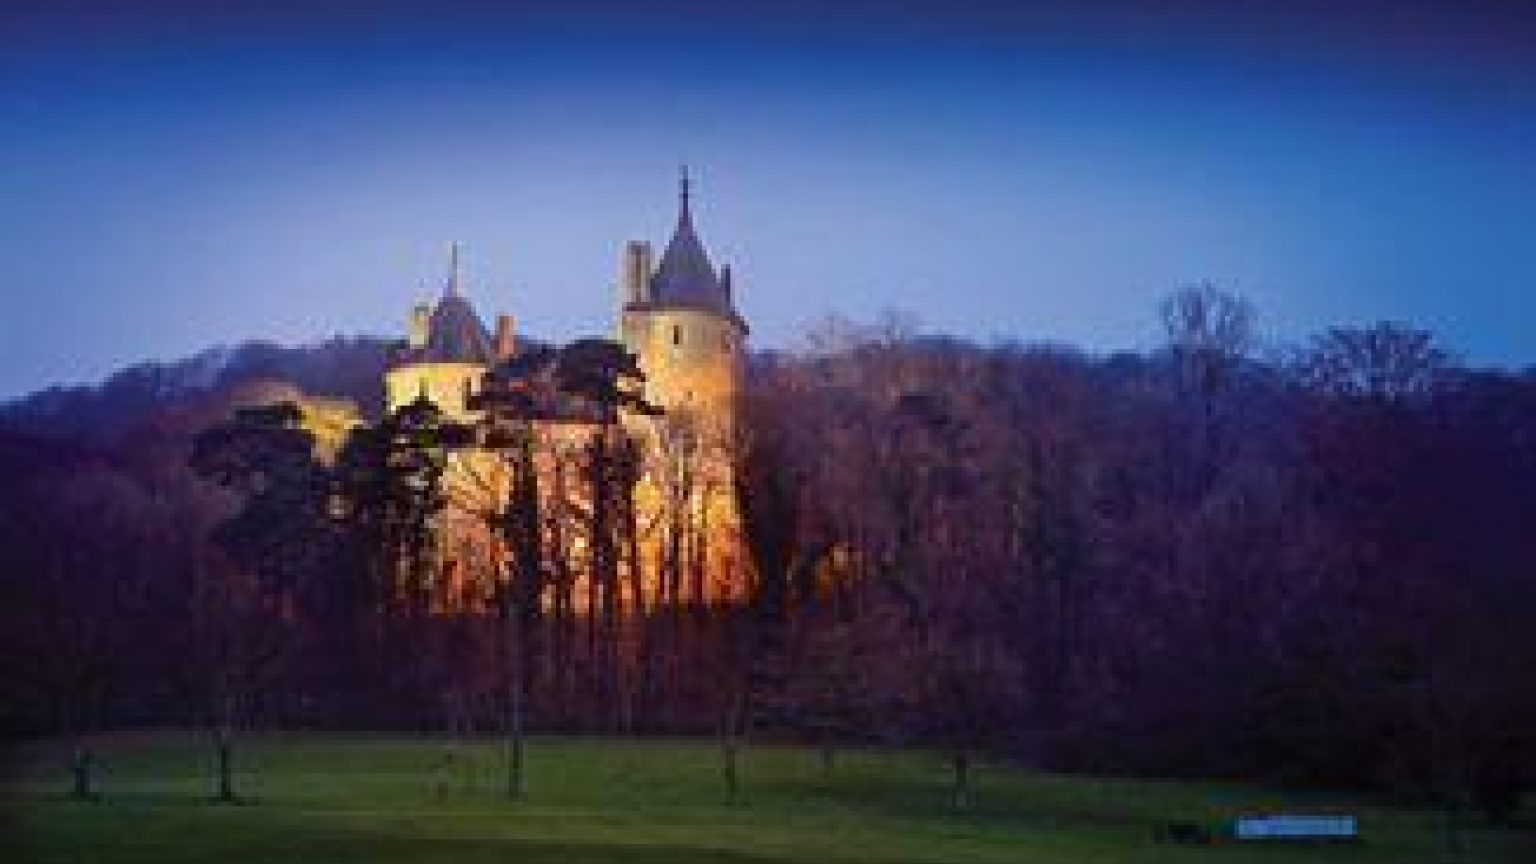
(172, 178)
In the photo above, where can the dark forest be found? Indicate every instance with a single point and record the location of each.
(1314, 565)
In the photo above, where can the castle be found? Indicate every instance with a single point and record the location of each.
(678, 317)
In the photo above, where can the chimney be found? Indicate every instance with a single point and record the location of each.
(420, 326)
(725, 282)
(506, 338)
(637, 272)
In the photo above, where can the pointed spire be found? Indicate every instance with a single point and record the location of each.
(684, 274)
(684, 213)
(451, 288)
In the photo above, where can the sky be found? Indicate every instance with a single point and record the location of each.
(178, 175)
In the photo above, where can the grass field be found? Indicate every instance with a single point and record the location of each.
(349, 798)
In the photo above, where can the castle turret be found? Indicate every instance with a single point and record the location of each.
(685, 329)
(689, 339)
(447, 350)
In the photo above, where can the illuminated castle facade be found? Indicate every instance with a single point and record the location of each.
(678, 317)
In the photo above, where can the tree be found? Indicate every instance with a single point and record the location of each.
(513, 397)
(388, 493)
(265, 456)
(801, 672)
(1416, 474)
(1384, 364)
(1210, 334)
(1208, 328)
(81, 618)
(604, 381)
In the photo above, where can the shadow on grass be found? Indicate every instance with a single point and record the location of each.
(367, 848)
(931, 802)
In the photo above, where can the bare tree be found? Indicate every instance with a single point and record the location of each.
(1386, 363)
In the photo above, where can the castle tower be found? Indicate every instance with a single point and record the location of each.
(681, 322)
(447, 352)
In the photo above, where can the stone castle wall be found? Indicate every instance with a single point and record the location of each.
(692, 363)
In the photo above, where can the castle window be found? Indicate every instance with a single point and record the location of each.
(677, 335)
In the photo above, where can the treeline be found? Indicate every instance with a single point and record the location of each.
(1314, 567)
(350, 368)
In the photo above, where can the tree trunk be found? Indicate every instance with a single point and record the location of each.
(730, 772)
(523, 594)
(605, 577)
(516, 670)
(516, 776)
(224, 745)
(82, 766)
(562, 654)
(638, 703)
(734, 731)
(961, 762)
(597, 523)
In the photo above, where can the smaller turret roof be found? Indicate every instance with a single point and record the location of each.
(455, 333)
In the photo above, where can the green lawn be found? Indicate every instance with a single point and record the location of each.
(350, 798)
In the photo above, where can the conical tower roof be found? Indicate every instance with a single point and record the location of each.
(455, 333)
(685, 276)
